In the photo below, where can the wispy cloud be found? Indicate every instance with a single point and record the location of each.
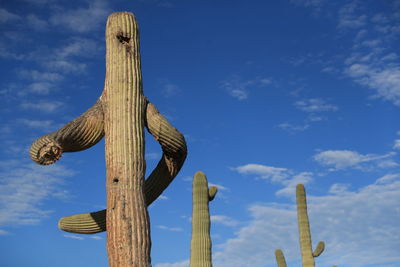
(25, 187)
(224, 220)
(239, 88)
(314, 105)
(286, 177)
(6, 16)
(262, 171)
(292, 128)
(76, 237)
(82, 19)
(350, 18)
(43, 125)
(173, 229)
(340, 219)
(343, 159)
(183, 263)
(43, 106)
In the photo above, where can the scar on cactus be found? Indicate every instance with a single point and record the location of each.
(307, 255)
(200, 245)
(120, 115)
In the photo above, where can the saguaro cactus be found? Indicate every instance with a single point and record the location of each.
(121, 114)
(200, 245)
(307, 255)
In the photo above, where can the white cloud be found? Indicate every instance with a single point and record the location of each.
(239, 88)
(264, 172)
(24, 187)
(36, 23)
(291, 128)
(384, 80)
(359, 228)
(3, 232)
(82, 19)
(77, 237)
(342, 159)
(348, 17)
(396, 144)
(290, 184)
(173, 229)
(44, 125)
(314, 105)
(184, 263)
(224, 220)
(6, 16)
(44, 106)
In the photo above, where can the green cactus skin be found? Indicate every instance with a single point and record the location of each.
(174, 153)
(200, 245)
(121, 114)
(280, 258)
(307, 254)
(81, 133)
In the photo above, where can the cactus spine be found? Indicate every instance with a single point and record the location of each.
(121, 114)
(200, 245)
(307, 255)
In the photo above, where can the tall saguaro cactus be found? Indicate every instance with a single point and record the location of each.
(307, 254)
(200, 245)
(121, 114)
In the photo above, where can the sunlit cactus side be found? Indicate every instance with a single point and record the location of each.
(280, 258)
(121, 114)
(307, 254)
(200, 245)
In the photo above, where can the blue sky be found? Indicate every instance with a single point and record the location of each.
(268, 94)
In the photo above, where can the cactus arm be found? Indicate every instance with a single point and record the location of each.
(79, 134)
(319, 249)
(280, 258)
(212, 191)
(200, 245)
(174, 154)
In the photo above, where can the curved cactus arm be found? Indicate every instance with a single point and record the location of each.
(280, 258)
(319, 249)
(200, 245)
(212, 191)
(174, 154)
(79, 134)
(85, 223)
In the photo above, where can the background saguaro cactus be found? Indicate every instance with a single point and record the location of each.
(200, 245)
(307, 255)
(121, 114)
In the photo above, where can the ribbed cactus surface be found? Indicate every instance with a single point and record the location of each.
(307, 254)
(121, 114)
(200, 245)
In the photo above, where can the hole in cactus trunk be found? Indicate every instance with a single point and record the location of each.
(115, 180)
(122, 39)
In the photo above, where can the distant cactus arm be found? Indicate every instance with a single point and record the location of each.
(280, 258)
(79, 134)
(174, 154)
(319, 249)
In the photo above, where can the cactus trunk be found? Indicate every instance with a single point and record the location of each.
(280, 258)
(200, 245)
(128, 229)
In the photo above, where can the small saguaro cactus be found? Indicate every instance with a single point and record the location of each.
(120, 114)
(200, 245)
(307, 255)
